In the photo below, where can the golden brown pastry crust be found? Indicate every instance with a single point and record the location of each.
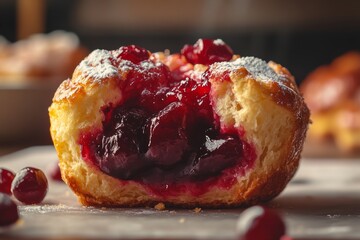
(271, 112)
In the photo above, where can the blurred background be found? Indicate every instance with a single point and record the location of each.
(300, 35)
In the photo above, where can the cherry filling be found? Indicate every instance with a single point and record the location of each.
(207, 51)
(163, 134)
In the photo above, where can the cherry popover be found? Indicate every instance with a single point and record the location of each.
(202, 127)
(332, 93)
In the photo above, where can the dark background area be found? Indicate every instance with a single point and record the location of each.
(301, 45)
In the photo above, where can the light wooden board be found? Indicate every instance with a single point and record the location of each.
(322, 202)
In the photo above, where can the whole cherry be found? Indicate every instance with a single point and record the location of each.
(207, 51)
(30, 185)
(55, 173)
(9, 213)
(133, 53)
(6, 178)
(258, 222)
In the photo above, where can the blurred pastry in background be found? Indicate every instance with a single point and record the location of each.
(40, 57)
(332, 93)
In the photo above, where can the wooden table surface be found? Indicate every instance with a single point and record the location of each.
(321, 202)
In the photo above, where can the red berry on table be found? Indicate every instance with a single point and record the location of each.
(55, 173)
(6, 178)
(260, 223)
(8, 211)
(30, 185)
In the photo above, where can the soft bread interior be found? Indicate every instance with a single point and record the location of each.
(78, 109)
(245, 104)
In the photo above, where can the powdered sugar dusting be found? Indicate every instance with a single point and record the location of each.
(146, 65)
(102, 64)
(125, 66)
(98, 65)
(219, 42)
(256, 67)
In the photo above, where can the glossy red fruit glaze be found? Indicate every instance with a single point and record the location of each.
(207, 51)
(117, 149)
(259, 222)
(8, 211)
(133, 53)
(164, 135)
(168, 141)
(145, 77)
(30, 185)
(6, 178)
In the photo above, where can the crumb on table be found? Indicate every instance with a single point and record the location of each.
(160, 206)
(197, 210)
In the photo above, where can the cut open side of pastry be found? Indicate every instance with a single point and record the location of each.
(200, 128)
